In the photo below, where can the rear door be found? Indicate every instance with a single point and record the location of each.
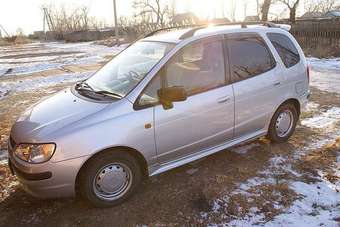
(256, 82)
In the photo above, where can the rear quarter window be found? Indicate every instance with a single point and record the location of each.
(285, 48)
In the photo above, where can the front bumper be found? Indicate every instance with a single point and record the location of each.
(47, 180)
(29, 176)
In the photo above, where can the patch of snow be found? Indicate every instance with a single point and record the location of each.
(326, 81)
(80, 53)
(279, 165)
(253, 182)
(216, 206)
(325, 74)
(250, 220)
(277, 161)
(312, 106)
(324, 63)
(3, 157)
(41, 82)
(318, 143)
(318, 207)
(325, 120)
(243, 149)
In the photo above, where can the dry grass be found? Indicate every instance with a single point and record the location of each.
(17, 41)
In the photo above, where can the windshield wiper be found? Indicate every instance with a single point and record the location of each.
(85, 86)
(108, 93)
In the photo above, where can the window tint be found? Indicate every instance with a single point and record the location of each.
(198, 67)
(285, 48)
(248, 56)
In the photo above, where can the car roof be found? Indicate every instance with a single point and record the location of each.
(176, 35)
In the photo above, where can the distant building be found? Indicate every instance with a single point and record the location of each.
(311, 15)
(252, 18)
(332, 14)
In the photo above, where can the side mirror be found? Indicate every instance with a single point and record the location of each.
(171, 94)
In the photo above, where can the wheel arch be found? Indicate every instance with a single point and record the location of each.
(133, 152)
(294, 101)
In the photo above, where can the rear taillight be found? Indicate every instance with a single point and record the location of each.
(308, 73)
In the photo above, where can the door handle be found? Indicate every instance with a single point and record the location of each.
(223, 99)
(277, 83)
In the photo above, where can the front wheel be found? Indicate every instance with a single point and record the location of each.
(283, 123)
(109, 178)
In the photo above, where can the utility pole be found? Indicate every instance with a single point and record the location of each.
(116, 22)
(44, 24)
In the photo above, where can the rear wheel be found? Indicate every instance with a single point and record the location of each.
(283, 123)
(109, 178)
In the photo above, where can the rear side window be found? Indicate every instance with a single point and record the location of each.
(248, 56)
(285, 48)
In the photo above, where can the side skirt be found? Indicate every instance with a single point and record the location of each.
(157, 169)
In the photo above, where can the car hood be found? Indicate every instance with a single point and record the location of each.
(52, 114)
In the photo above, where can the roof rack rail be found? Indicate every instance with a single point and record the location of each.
(168, 29)
(195, 28)
(243, 25)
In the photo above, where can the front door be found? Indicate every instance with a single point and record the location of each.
(206, 118)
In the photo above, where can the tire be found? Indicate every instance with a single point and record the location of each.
(111, 166)
(279, 131)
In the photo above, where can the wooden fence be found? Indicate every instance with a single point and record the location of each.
(317, 33)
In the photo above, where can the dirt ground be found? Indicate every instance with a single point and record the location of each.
(257, 183)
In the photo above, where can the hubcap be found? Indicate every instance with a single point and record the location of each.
(284, 123)
(112, 181)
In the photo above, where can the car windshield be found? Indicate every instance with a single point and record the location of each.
(126, 70)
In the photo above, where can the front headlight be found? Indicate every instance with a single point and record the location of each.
(35, 153)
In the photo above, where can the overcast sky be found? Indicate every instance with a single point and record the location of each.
(27, 14)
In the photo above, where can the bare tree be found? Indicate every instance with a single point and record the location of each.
(64, 20)
(322, 6)
(292, 6)
(149, 10)
(265, 9)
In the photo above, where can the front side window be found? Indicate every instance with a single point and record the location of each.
(285, 48)
(248, 57)
(197, 67)
(149, 96)
(125, 71)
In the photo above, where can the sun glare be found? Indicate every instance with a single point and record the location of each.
(208, 9)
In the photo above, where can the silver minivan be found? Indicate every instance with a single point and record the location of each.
(168, 99)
